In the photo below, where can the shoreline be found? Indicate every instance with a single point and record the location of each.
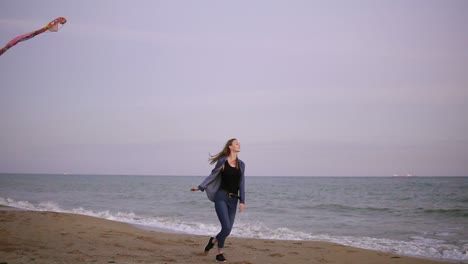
(50, 237)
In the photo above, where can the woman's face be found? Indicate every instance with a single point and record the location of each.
(235, 146)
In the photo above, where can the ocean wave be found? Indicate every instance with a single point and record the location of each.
(418, 246)
(127, 217)
(448, 212)
(342, 208)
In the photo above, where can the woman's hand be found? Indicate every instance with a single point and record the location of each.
(241, 207)
(193, 189)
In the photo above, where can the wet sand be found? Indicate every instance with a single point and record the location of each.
(49, 237)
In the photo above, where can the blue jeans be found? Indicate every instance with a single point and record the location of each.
(226, 210)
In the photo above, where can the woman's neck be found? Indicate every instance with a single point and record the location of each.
(232, 156)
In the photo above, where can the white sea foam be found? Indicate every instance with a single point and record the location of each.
(127, 217)
(419, 246)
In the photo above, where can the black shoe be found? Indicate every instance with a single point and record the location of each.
(209, 245)
(220, 258)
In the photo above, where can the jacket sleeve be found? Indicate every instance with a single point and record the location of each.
(211, 177)
(242, 184)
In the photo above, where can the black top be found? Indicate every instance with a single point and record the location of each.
(230, 178)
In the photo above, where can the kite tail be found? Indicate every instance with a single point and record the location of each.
(13, 42)
(18, 39)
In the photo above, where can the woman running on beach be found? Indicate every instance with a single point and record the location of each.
(224, 187)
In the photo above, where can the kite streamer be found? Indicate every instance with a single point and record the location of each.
(52, 26)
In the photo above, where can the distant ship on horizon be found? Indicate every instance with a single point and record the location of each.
(404, 175)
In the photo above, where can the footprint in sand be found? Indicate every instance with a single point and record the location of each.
(323, 260)
(249, 247)
(315, 247)
(74, 252)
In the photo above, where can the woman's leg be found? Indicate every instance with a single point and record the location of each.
(232, 211)
(223, 211)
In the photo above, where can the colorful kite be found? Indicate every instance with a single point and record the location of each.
(52, 26)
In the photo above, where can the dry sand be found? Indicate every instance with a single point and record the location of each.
(48, 237)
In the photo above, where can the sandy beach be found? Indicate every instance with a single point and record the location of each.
(49, 237)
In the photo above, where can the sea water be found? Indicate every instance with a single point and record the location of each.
(417, 216)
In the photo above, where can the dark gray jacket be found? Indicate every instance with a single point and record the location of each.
(212, 183)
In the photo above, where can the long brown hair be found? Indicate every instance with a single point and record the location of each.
(224, 153)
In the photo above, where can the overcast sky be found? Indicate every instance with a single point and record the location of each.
(310, 88)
